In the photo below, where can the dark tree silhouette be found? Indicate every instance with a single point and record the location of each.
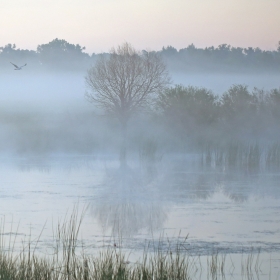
(125, 81)
(61, 54)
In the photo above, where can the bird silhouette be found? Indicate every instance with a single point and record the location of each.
(18, 67)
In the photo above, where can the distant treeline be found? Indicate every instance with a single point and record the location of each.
(61, 55)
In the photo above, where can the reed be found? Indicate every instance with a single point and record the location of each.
(68, 260)
(239, 156)
(148, 150)
(273, 156)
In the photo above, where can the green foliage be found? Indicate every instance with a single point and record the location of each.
(236, 98)
(60, 53)
(192, 105)
(202, 120)
(237, 107)
(60, 46)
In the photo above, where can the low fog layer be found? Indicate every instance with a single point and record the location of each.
(47, 114)
(43, 109)
(50, 90)
(28, 91)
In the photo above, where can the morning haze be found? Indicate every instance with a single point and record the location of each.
(53, 85)
(167, 145)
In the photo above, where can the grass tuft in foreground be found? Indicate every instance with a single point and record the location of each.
(67, 260)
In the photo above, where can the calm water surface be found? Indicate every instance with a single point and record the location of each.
(141, 201)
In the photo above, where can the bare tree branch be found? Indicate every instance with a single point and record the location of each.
(126, 81)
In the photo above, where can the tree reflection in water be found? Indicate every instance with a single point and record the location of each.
(130, 202)
(135, 200)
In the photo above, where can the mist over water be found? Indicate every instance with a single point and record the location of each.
(51, 107)
(139, 201)
(49, 92)
(57, 150)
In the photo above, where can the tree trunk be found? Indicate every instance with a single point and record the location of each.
(123, 144)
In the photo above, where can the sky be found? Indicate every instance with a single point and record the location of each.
(146, 24)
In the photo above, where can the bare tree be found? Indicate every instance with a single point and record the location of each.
(126, 81)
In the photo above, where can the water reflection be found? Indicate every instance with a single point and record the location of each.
(40, 164)
(220, 208)
(135, 200)
(130, 201)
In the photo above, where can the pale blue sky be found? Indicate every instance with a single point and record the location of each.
(152, 24)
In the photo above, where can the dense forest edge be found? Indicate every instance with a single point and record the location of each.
(62, 55)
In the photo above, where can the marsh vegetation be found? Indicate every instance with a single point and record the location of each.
(239, 127)
(197, 161)
(66, 257)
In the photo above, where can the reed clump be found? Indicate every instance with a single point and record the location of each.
(242, 156)
(68, 260)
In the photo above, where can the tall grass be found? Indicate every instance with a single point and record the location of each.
(273, 156)
(68, 260)
(242, 156)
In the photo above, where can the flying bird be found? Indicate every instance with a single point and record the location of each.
(18, 67)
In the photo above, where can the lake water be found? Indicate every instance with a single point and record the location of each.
(142, 201)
